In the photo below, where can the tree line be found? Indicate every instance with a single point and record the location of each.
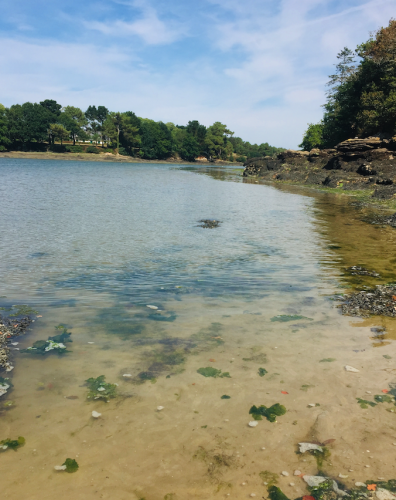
(47, 125)
(361, 98)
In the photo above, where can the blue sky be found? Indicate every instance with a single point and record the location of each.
(260, 66)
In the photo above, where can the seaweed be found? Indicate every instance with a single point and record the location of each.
(364, 403)
(23, 310)
(270, 413)
(324, 491)
(99, 389)
(383, 398)
(269, 477)
(258, 358)
(55, 343)
(276, 493)
(225, 397)
(327, 360)
(262, 372)
(209, 371)
(71, 465)
(283, 318)
(386, 356)
(305, 387)
(12, 444)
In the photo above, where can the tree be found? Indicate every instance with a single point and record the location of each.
(344, 70)
(120, 128)
(74, 119)
(4, 139)
(58, 131)
(313, 137)
(216, 141)
(156, 140)
(190, 148)
(28, 122)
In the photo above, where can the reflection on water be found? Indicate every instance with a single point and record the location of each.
(90, 246)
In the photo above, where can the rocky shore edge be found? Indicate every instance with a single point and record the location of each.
(355, 164)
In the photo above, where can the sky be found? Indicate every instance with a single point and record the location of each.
(259, 66)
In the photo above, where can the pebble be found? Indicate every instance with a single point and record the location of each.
(311, 405)
(394, 444)
(263, 448)
(127, 375)
(368, 392)
(367, 466)
(360, 484)
(284, 473)
(152, 307)
(350, 369)
(253, 423)
(159, 408)
(252, 494)
(96, 414)
(343, 476)
(297, 473)
(226, 420)
(308, 447)
(243, 484)
(91, 342)
(314, 480)
(60, 467)
(291, 484)
(14, 343)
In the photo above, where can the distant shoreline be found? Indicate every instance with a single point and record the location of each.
(107, 158)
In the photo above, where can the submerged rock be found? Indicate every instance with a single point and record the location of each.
(209, 224)
(314, 480)
(380, 300)
(309, 447)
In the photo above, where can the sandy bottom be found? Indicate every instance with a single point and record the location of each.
(200, 446)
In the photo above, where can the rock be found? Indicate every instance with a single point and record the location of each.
(127, 375)
(309, 446)
(95, 414)
(284, 473)
(351, 369)
(60, 467)
(253, 423)
(360, 485)
(152, 307)
(291, 484)
(297, 473)
(383, 494)
(159, 408)
(314, 480)
(342, 476)
(337, 490)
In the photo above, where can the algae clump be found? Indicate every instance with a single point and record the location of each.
(23, 310)
(269, 477)
(99, 389)
(327, 360)
(225, 397)
(262, 372)
(286, 317)
(276, 493)
(383, 398)
(12, 444)
(71, 465)
(212, 372)
(55, 343)
(364, 403)
(270, 413)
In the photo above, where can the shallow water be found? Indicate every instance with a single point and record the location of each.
(91, 245)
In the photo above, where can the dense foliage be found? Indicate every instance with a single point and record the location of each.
(48, 125)
(361, 100)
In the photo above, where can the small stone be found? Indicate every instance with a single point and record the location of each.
(311, 405)
(60, 467)
(152, 307)
(284, 473)
(367, 466)
(314, 480)
(351, 369)
(96, 414)
(243, 484)
(309, 447)
(226, 420)
(343, 476)
(297, 473)
(100, 389)
(253, 423)
(91, 342)
(360, 485)
(368, 392)
(383, 494)
(127, 375)
(159, 408)
(252, 494)
(291, 484)
(263, 448)
(368, 451)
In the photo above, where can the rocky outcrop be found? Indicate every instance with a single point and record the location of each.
(353, 164)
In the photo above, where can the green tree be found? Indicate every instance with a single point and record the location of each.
(28, 122)
(190, 148)
(58, 131)
(4, 139)
(156, 140)
(120, 128)
(345, 68)
(216, 141)
(313, 137)
(74, 119)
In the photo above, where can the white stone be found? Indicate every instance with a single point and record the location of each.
(343, 476)
(314, 480)
(309, 446)
(9, 368)
(91, 342)
(60, 467)
(351, 369)
(95, 414)
(383, 494)
(297, 473)
(263, 448)
(253, 423)
(14, 343)
(127, 375)
(159, 408)
(252, 494)
(152, 307)
(367, 466)
(311, 405)
(337, 490)
(358, 484)
(284, 473)
(100, 389)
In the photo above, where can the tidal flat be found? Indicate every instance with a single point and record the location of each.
(89, 246)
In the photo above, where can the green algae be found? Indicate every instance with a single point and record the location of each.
(364, 403)
(269, 477)
(270, 413)
(305, 387)
(276, 493)
(209, 371)
(257, 358)
(71, 465)
(23, 310)
(225, 397)
(327, 360)
(56, 343)
(12, 444)
(386, 356)
(324, 491)
(283, 318)
(379, 398)
(262, 372)
(98, 388)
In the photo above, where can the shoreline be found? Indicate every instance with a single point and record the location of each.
(105, 157)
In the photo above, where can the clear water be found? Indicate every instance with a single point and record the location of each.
(90, 245)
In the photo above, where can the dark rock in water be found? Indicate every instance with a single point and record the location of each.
(209, 224)
(361, 271)
(384, 192)
(380, 300)
(391, 220)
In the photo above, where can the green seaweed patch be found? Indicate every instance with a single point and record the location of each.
(387, 485)
(55, 343)
(305, 387)
(225, 397)
(12, 444)
(384, 398)
(269, 477)
(324, 491)
(327, 360)
(22, 310)
(209, 371)
(262, 372)
(276, 493)
(98, 388)
(386, 356)
(257, 358)
(283, 318)
(270, 413)
(364, 403)
(71, 465)
(170, 317)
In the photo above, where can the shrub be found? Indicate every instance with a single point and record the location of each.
(92, 149)
(123, 152)
(241, 159)
(75, 149)
(58, 148)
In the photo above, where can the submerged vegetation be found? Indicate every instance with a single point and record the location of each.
(70, 464)
(270, 413)
(12, 444)
(212, 372)
(262, 372)
(286, 317)
(55, 343)
(98, 388)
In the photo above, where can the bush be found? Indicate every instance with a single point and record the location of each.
(241, 159)
(123, 152)
(75, 149)
(92, 149)
(58, 148)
